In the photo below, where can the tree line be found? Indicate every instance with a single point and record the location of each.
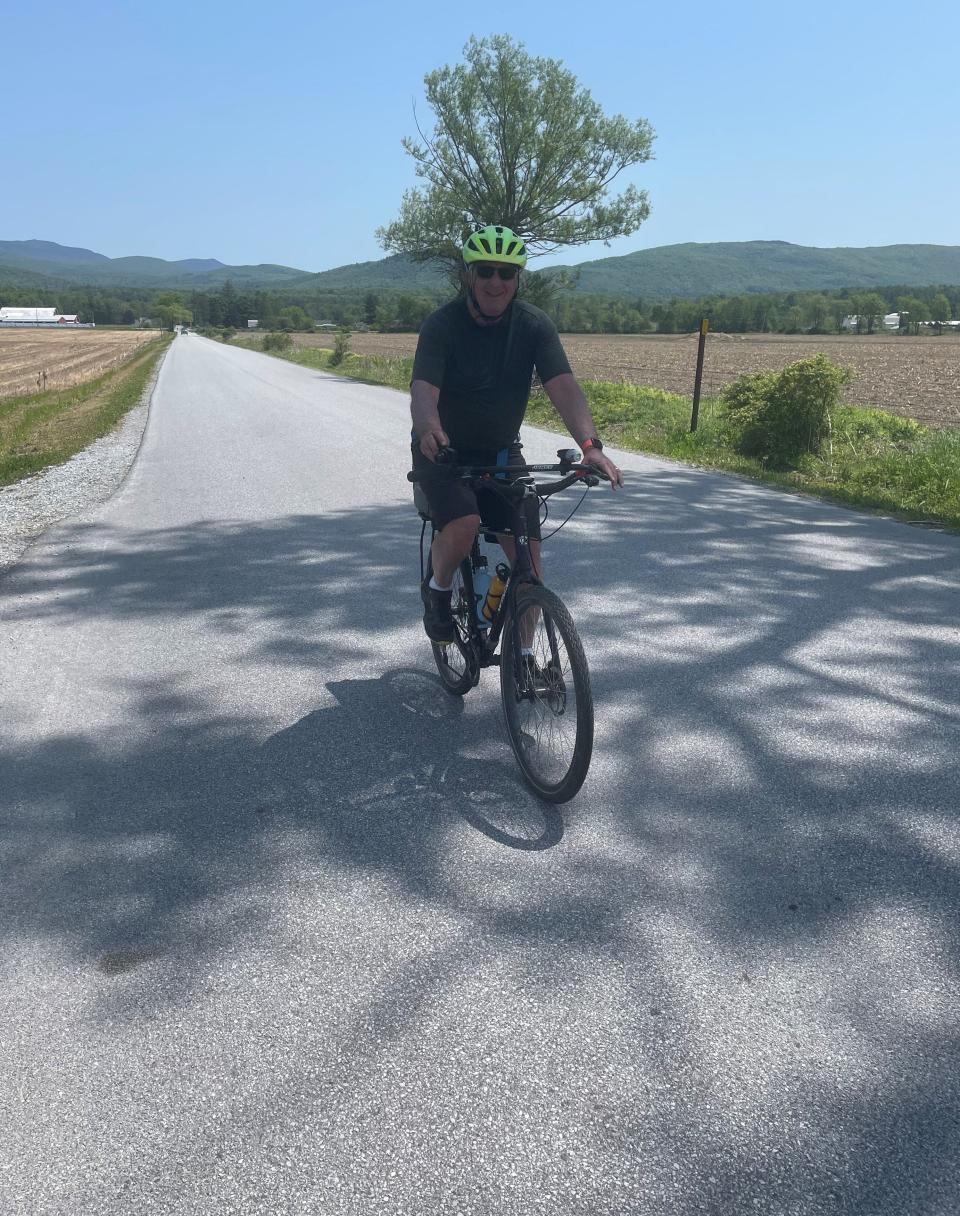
(227, 306)
(573, 311)
(814, 312)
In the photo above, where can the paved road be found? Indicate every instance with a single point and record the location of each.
(282, 931)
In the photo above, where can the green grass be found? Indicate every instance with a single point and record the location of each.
(371, 369)
(48, 428)
(872, 459)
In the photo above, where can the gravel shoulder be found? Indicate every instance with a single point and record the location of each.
(29, 507)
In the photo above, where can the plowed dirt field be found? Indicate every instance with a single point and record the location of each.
(67, 357)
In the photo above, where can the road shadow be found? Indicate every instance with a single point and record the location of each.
(773, 801)
(766, 669)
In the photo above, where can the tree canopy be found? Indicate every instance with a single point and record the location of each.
(517, 141)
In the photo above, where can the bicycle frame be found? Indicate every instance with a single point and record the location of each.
(521, 571)
(484, 642)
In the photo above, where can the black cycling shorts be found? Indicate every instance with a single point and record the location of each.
(452, 499)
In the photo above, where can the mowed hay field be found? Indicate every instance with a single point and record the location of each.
(68, 357)
(915, 377)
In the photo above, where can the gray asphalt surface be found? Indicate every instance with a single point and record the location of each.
(282, 931)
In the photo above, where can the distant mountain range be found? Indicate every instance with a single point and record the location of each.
(691, 270)
(68, 265)
(735, 268)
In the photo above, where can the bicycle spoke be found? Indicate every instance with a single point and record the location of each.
(454, 661)
(547, 702)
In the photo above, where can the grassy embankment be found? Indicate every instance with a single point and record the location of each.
(872, 459)
(48, 428)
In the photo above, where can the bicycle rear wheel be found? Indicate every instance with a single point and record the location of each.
(547, 702)
(457, 662)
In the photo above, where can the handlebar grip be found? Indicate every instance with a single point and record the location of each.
(552, 487)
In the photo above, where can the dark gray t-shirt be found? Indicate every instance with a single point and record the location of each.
(463, 360)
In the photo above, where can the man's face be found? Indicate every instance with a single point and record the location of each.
(494, 294)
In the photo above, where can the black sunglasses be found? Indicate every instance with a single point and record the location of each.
(505, 272)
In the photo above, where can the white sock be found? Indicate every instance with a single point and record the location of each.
(435, 586)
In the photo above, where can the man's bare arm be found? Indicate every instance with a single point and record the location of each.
(426, 418)
(570, 403)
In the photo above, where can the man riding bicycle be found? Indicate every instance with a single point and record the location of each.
(471, 383)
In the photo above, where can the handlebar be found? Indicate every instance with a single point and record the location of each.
(569, 465)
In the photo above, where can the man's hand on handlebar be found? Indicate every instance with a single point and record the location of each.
(432, 442)
(603, 464)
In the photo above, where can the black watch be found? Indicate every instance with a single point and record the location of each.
(591, 444)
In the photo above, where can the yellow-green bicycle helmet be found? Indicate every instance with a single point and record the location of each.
(495, 244)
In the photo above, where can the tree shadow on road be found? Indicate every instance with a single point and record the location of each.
(768, 837)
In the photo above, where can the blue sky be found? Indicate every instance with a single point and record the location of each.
(270, 132)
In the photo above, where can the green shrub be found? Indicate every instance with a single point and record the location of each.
(227, 333)
(341, 346)
(745, 400)
(778, 417)
(277, 341)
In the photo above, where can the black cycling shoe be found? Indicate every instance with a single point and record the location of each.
(437, 617)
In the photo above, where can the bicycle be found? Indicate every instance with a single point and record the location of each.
(544, 678)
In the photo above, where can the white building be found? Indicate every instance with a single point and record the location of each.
(36, 316)
(890, 321)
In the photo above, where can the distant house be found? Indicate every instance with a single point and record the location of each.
(890, 321)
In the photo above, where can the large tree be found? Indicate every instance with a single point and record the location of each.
(516, 141)
(940, 308)
(913, 311)
(870, 307)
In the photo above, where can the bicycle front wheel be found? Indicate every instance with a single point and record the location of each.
(547, 702)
